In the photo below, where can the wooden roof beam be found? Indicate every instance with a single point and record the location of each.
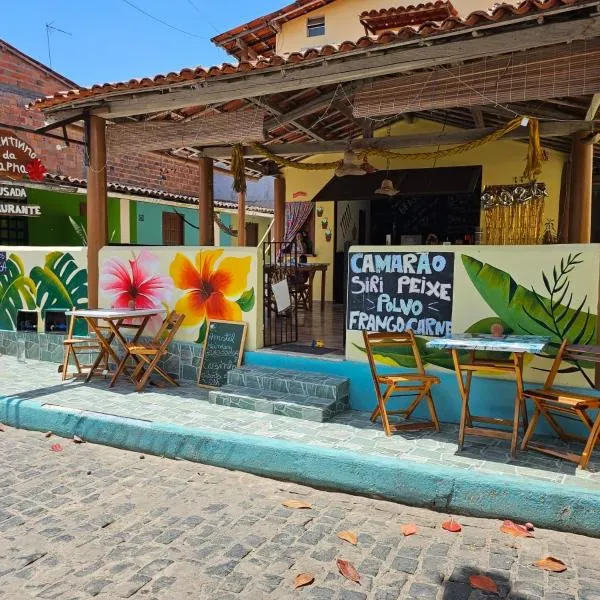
(593, 108)
(551, 129)
(478, 119)
(247, 51)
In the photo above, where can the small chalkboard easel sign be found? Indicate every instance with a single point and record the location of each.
(223, 351)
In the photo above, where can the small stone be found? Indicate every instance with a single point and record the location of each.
(405, 565)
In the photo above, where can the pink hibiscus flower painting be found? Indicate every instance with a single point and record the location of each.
(137, 280)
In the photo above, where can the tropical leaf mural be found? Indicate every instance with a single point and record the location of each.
(61, 283)
(17, 291)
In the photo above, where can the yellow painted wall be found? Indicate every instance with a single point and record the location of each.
(263, 224)
(502, 162)
(342, 23)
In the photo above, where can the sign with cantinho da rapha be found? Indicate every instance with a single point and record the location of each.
(18, 162)
(397, 291)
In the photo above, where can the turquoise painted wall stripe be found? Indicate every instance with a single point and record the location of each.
(445, 489)
(149, 224)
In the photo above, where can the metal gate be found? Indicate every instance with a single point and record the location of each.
(280, 322)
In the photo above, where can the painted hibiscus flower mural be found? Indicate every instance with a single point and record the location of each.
(137, 280)
(214, 289)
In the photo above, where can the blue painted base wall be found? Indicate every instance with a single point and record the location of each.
(489, 397)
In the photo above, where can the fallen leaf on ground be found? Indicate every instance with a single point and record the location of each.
(48, 434)
(303, 579)
(481, 582)
(348, 536)
(347, 570)
(409, 529)
(515, 529)
(296, 504)
(529, 526)
(77, 439)
(1, 428)
(551, 564)
(56, 448)
(452, 526)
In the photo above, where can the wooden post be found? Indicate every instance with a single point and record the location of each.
(205, 203)
(580, 219)
(279, 217)
(97, 223)
(241, 224)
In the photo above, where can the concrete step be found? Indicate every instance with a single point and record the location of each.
(309, 408)
(302, 383)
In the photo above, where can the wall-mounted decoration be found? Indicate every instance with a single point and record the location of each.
(18, 159)
(328, 235)
(299, 195)
(320, 211)
(324, 223)
(513, 213)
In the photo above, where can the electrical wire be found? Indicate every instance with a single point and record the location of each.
(159, 20)
(193, 5)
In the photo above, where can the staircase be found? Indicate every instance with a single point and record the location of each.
(301, 395)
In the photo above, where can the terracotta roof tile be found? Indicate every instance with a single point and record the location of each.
(499, 14)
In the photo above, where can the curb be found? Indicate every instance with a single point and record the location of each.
(444, 489)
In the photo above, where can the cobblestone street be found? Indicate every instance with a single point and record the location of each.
(95, 521)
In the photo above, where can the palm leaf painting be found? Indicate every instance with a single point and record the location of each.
(529, 312)
(17, 291)
(61, 283)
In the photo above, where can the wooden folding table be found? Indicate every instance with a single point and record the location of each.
(517, 346)
(117, 320)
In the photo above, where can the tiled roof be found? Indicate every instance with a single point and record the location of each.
(149, 193)
(402, 16)
(500, 14)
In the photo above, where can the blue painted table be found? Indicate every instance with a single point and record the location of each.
(518, 346)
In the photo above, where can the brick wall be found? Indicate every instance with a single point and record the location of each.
(21, 82)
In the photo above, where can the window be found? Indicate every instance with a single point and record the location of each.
(315, 26)
(14, 231)
(172, 229)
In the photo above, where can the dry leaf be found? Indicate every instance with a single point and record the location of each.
(48, 434)
(78, 440)
(347, 570)
(452, 526)
(515, 529)
(296, 504)
(551, 564)
(409, 529)
(56, 448)
(481, 582)
(303, 579)
(529, 526)
(348, 536)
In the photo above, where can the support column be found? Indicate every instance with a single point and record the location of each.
(241, 224)
(279, 217)
(580, 219)
(97, 223)
(206, 203)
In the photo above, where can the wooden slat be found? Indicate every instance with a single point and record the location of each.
(494, 433)
(557, 71)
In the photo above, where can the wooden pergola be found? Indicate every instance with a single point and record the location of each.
(328, 99)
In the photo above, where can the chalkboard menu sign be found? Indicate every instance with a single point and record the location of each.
(223, 349)
(395, 292)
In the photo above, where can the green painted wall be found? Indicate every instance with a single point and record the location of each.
(53, 228)
(133, 222)
(114, 220)
(149, 224)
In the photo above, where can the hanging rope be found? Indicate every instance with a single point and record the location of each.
(224, 228)
(535, 154)
(238, 168)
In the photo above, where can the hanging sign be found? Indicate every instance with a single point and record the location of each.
(395, 292)
(11, 209)
(18, 159)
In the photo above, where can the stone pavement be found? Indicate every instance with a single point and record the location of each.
(188, 406)
(93, 521)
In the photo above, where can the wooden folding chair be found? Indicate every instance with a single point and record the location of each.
(400, 384)
(85, 345)
(551, 401)
(149, 355)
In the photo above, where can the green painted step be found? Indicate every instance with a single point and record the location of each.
(309, 408)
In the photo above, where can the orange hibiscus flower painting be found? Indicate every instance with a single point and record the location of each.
(214, 288)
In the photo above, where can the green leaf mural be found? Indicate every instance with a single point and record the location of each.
(246, 300)
(17, 291)
(527, 312)
(60, 282)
